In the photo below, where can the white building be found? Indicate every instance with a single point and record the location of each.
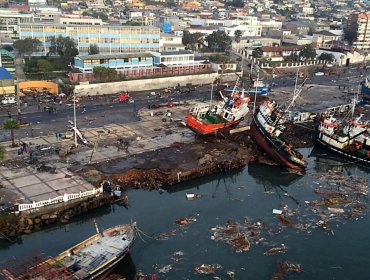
(9, 23)
(78, 20)
(170, 42)
(37, 2)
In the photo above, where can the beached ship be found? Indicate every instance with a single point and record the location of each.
(351, 139)
(266, 128)
(93, 258)
(229, 112)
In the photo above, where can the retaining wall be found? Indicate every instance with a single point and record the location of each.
(149, 84)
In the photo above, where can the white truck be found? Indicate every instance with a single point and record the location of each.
(8, 100)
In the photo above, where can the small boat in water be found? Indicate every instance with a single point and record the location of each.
(229, 112)
(267, 128)
(93, 258)
(351, 140)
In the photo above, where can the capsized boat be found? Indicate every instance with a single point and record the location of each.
(267, 128)
(229, 112)
(351, 139)
(93, 258)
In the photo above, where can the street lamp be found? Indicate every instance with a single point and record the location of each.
(74, 117)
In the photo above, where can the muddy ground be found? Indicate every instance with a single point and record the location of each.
(168, 166)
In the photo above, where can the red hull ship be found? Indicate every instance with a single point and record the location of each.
(229, 112)
(266, 130)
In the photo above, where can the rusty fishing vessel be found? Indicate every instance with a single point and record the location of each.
(267, 130)
(230, 111)
(93, 258)
(351, 139)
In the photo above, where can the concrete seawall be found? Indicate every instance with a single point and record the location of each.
(149, 84)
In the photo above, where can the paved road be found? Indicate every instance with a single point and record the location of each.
(104, 110)
(91, 113)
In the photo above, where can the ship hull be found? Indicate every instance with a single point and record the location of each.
(266, 144)
(365, 93)
(200, 127)
(107, 269)
(342, 153)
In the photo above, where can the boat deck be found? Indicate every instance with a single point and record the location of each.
(84, 260)
(212, 119)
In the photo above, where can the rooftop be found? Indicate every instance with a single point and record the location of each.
(5, 75)
(176, 52)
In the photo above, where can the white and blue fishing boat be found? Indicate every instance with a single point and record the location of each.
(255, 87)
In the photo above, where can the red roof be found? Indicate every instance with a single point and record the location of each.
(281, 48)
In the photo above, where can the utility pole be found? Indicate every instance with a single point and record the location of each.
(18, 102)
(74, 117)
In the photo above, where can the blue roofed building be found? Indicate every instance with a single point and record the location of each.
(7, 82)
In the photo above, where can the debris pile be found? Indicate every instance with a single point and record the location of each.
(276, 250)
(238, 235)
(284, 268)
(182, 225)
(207, 268)
(339, 197)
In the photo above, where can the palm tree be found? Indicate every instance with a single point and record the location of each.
(11, 124)
(238, 36)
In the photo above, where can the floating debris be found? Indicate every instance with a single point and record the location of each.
(192, 196)
(231, 274)
(240, 243)
(207, 268)
(176, 257)
(165, 269)
(182, 222)
(186, 220)
(276, 250)
(238, 235)
(284, 268)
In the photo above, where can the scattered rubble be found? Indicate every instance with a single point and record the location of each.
(238, 235)
(276, 250)
(182, 223)
(284, 268)
(207, 268)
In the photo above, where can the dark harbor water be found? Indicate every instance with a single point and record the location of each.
(252, 192)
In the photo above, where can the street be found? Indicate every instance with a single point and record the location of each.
(90, 112)
(103, 110)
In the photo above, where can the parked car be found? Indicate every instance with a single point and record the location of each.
(317, 74)
(8, 100)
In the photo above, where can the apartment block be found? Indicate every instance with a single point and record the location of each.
(363, 21)
(110, 39)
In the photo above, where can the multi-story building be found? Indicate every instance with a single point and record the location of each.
(9, 23)
(7, 60)
(363, 31)
(119, 62)
(78, 20)
(170, 42)
(139, 64)
(320, 39)
(109, 39)
(248, 25)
